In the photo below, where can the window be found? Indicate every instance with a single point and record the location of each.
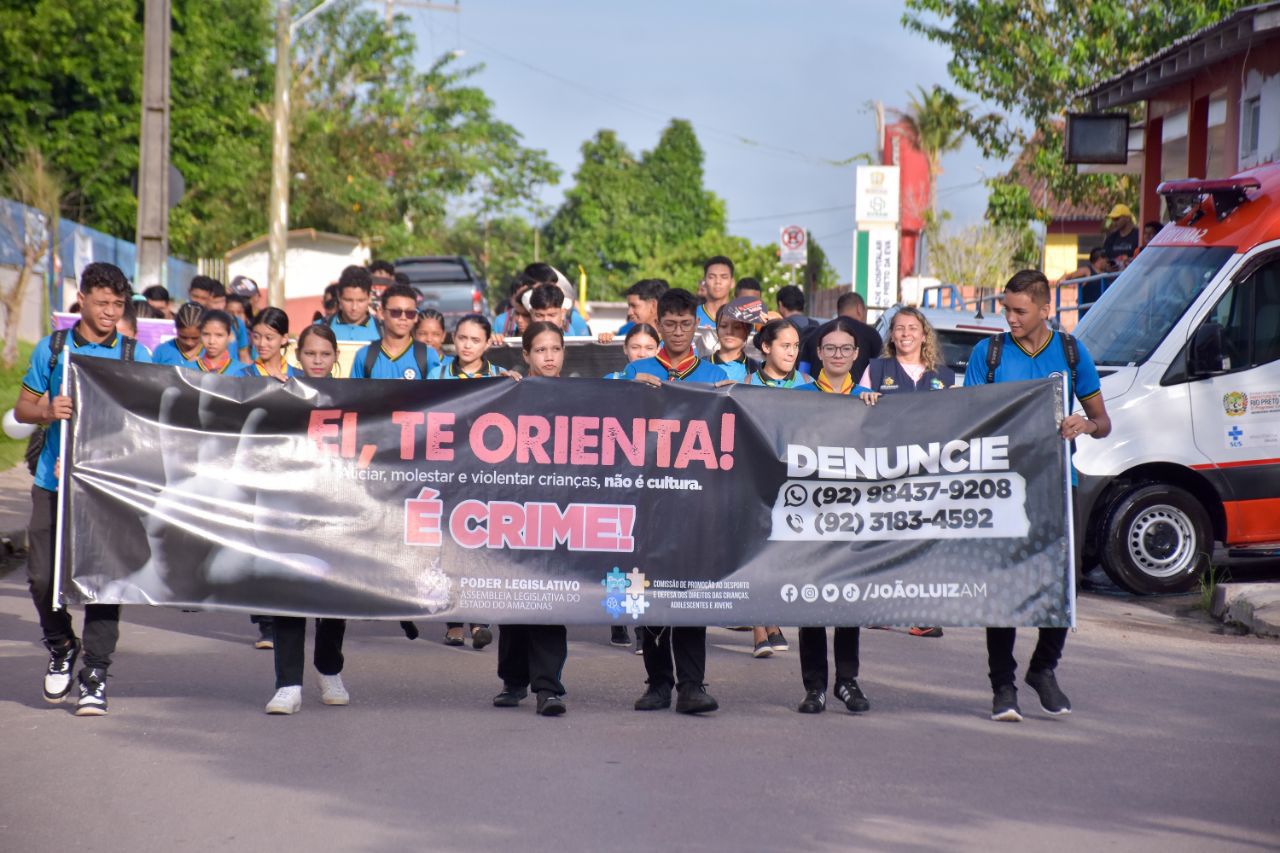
(1250, 121)
(1249, 315)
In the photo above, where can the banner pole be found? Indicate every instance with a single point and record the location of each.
(1071, 514)
(62, 482)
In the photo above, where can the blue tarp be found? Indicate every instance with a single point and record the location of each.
(98, 247)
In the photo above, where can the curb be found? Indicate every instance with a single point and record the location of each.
(1254, 606)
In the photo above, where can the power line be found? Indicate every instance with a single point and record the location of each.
(651, 112)
(792, 213)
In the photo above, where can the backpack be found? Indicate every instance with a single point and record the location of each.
(58, 342)
(371, 357)
(1069, 347)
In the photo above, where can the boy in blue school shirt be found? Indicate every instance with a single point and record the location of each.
(354, 321)
(1032, 350)
(103, 291)
(399, 356)
(675, 362)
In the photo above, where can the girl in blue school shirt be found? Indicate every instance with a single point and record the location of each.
(779, 341)
(471, 339)
(216, 334)
(641, 341)
(183, 350)
(837, 351)
(731, 356)
(269, 333)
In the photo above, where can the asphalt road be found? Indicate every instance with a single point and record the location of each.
(1174, 745)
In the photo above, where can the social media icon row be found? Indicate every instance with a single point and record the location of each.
(809, 593)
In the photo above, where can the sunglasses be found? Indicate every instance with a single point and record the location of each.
(400, 313)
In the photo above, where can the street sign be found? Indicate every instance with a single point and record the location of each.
(876, 196)
(875, 266)
(794, 242)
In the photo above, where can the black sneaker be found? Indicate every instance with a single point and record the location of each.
(481, 636)
(1052, 699)
(815, 702)
(549, 704)
(852, 696)
(695, 699)
(655, 699)
(93, 693)
(1004, 707)
(509, 697)
(620, 636)
(57, 678)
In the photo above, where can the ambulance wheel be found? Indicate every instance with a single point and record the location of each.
(1156, 538)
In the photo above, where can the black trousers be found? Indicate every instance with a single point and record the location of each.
(1002, 664)
(532, 656)
(101, 621)
(813, 656)
(686, 646)
(290, 648)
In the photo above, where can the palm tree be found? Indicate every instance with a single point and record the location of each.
(939, 121)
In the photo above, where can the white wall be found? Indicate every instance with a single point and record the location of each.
(1269, 125)
(310, 266)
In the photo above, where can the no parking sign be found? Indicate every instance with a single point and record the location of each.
(794, 242)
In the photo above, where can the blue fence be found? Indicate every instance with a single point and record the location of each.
(92, 244)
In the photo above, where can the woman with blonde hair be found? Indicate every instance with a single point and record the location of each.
(910, 361)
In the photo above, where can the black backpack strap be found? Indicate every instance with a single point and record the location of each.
(420, 355)
(371, 357)
(57, 342)
(128, 346)
(1071, 349)
(994, 350)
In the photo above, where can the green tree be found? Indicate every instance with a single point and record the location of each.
(71, 84)
(31, 182)
(1032, 57)
(939, 121)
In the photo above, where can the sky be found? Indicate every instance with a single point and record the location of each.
(774, 88)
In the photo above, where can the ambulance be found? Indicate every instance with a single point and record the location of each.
(1187, 341)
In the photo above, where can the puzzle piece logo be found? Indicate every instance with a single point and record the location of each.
(615, 581)
(624, 593)
(636, 606)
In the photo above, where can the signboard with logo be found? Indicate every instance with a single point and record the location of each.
(877, 196)
(875, 266)
(794, 243)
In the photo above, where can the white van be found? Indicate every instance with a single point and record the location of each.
(1187, 341)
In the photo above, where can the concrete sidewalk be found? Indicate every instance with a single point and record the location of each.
(1255, 606)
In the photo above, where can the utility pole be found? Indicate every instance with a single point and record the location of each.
(152, 235)
(278, 210)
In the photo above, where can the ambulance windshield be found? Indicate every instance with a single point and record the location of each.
(1137, 311)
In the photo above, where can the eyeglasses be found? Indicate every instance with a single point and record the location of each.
(843, 349)
(678, 325)
(400, 313)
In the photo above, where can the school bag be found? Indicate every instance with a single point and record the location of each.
(419, 355)
(1069, 348)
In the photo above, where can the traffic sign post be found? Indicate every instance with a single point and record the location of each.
(794, 243)
(877, 208)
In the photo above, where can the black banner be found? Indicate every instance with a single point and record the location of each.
(566, 500)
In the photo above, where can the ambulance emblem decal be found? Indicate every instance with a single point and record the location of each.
(1235, 403)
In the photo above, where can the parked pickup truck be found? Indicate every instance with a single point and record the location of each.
(448, 284)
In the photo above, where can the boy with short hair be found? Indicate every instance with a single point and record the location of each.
(398, 355)
(354, 321)
(676, 362)
(103, 293)
(1031, 350)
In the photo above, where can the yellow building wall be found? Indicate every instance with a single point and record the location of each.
(1061, 255)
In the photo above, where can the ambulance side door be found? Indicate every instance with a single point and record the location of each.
(1233, 372)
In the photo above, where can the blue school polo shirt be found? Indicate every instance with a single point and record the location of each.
(388, 366)
(366, 331)
(703, 371)
(448, 369)
(796, 381)
(40, 380)
(169, 353)
(253, 368)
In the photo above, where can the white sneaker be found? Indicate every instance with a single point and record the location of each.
(332, 692)
(288, 700)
